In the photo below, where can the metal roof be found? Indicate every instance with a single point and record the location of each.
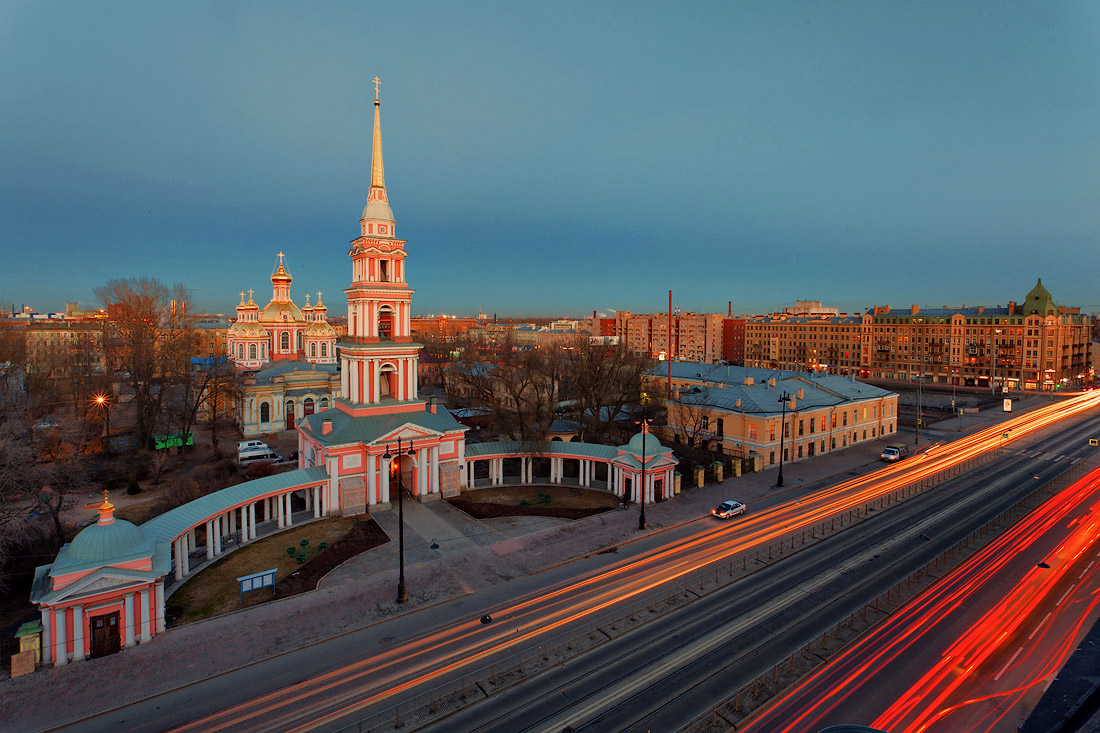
(367, 429)
(175, 522)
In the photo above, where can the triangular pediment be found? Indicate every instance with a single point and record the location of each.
(101, 580)
(407, 433)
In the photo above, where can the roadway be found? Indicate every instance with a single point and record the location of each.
(974, 653)
(662, 674)
(323, 685)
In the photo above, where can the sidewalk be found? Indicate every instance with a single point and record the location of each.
(447, 554)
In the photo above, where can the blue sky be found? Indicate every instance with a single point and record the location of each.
(557, 158)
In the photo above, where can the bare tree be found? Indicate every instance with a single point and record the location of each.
(604, 380)
(519, 389)
(148, 344)
(690, 413)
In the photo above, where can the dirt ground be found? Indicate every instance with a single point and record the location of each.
(507, 501)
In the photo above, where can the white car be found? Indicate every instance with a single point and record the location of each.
(728, 509)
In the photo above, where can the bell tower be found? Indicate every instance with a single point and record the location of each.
(378, 359)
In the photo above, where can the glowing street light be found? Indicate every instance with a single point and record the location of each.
(104, 403)
(402, 594)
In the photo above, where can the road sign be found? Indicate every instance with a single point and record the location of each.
(1094, 441)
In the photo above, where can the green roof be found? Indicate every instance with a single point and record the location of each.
(367, 429)
(175, 522)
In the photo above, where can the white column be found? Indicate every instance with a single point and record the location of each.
(289, 518)
(232, 521)
(158, 599)
(210, 539)
(385, 481)
(146, 627)
(78, 633)
(47, 640)
(191, 543)
(423, 470)
(128, 630)
(186, 561)
(333, 502)
(60, 653)
(252, 521)
(434, 475)
(178, 545)
(219, 530)
(372, 480)
(316, 490)
(279, 511)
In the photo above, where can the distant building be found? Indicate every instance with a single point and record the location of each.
(64, 348)
(445, 328)
(692, 337)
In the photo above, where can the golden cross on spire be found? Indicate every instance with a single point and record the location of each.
(318, 296)
(242, 297)
(249, 295)
(280, 258)
(377, 83)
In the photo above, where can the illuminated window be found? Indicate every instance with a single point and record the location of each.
(752, 432)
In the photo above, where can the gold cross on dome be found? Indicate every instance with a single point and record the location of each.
(280, 258)
(377, 83)
(249, 295)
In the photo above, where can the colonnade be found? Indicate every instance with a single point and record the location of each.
(586, 471)
(140, 620)
(239, 524)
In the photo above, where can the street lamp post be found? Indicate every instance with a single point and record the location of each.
(784, 399)
(1050, 381)
(641, 492)
(402, 595)
(104, 402)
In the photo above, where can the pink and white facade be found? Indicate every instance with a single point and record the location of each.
(379, 407)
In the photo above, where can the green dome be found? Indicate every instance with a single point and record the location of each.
(652, 445)
(106, 541)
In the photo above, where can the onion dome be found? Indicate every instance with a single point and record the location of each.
(281, 275)
(106, 539)
(307, 309)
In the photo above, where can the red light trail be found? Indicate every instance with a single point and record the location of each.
(425, 659)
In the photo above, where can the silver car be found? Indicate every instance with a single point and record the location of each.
(728, 509)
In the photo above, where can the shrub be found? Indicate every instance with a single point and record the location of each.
(291, 551)
(304, 544)
(111, 484)
(132, 487)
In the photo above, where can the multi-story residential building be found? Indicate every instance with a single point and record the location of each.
(822, 343)
(1034, 345)
(733, 340)
(446, 328)
(692, 336)
(740, 411)
(65, 348)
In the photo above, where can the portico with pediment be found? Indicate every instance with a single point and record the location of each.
(103, 592)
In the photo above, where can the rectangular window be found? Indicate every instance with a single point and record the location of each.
(801, 427)
(752, 432)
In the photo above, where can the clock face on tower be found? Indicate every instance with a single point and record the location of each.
(382, 228)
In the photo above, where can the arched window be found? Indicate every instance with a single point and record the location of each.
(284, 341)
(263, 350)
(240, 351)
(252, 351)
(301, 343)
(313, 349)
(324, 350)
(324, 402)
(265, 412)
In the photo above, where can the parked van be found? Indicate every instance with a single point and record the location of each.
(258, 454)
(894, 452)
(243, 445)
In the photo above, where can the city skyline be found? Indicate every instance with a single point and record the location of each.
(557, 162)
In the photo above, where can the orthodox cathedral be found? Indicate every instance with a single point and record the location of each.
(289, 354)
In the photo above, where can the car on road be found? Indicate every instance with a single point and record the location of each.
(728, 509)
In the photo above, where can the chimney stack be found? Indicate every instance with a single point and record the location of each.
(432, 405)
(326, 426)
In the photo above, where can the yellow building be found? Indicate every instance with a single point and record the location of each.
(746, 412)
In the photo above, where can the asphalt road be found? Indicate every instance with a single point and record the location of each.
(339, 680)
(662, 674)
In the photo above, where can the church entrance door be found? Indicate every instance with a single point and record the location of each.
(106, 638)
(289, 415)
